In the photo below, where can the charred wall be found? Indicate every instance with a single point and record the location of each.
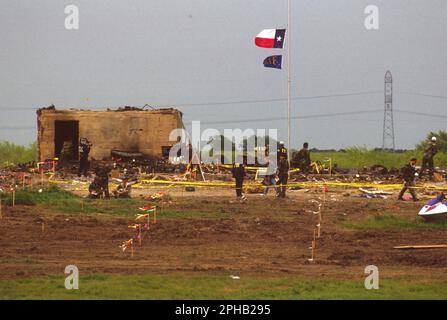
(145, 131)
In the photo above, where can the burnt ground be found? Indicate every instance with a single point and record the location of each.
(209, 231)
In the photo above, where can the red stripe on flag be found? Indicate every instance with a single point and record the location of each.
(264, 42)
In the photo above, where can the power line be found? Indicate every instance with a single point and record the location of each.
(17, 128)
(424, 114)
(216, 103)
(275, 100)
(236, 101)
(324, 115)
(319, 116)
(423, 95)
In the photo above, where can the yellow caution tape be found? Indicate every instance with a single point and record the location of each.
(154, 184)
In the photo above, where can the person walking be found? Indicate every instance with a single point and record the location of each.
(239, 175)
(283, 175)
(427, 160)
(409, 174)
(269, 181)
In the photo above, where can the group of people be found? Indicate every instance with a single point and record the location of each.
(99, 187)
(274, 177)
(410, 172)
(277, 178)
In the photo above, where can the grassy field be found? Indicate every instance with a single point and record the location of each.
(216, 286)
(391, 222)
(362, 157)
(59, 201)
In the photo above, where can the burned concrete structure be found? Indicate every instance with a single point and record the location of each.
(126, 129)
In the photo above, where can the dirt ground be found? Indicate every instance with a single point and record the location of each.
(262, 235)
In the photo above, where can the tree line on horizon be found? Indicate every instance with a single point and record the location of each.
(11, 154)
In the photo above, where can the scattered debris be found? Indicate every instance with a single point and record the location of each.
(374, 193)
(434, 246)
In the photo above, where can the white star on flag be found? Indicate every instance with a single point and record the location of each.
(278, 39)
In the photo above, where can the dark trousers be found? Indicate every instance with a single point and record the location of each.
(106, 189)
(239, 183)
(83, 168)
(427, 163)
(304, 167)
(408, 186)
(283, 182)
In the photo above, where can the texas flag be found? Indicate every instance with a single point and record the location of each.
(271, 38)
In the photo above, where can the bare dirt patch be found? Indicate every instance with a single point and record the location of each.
(218, 233)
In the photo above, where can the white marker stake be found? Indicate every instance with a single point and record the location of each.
(140, 235)
(312, 253)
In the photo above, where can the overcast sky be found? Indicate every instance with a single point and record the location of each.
(199, 56)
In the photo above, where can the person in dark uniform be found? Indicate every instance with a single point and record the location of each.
(101, 181)
(282, 151)
(239, 174)
(283, 175)
(84, 150)
(427, 161)
(409, 174)
(94, 189)
(303, 158)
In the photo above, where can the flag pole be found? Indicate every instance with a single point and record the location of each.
(288, 81)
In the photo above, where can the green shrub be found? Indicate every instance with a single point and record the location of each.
(11, 154)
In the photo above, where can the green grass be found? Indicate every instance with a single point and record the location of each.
(209, 285)
(124, 207)
(58, 201)
(361, 157)
(11, 154)
(49, 196)
(391, 222)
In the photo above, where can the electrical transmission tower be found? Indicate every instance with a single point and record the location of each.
(388, 124)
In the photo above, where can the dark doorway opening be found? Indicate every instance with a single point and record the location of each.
(66, 137)
(165, 151)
